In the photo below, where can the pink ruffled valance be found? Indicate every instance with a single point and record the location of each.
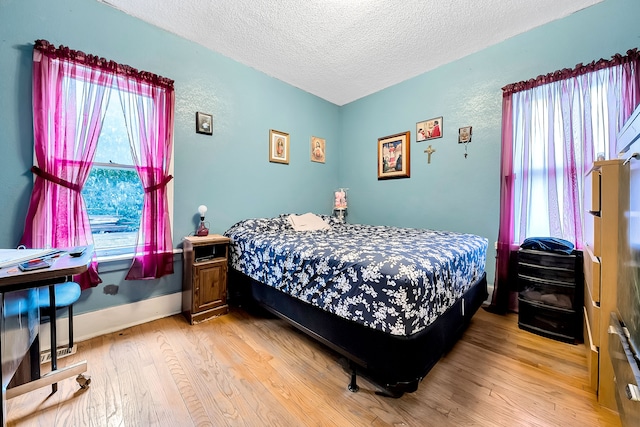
(65, 53)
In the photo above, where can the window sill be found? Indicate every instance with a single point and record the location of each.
(108, 263)
(127, 256)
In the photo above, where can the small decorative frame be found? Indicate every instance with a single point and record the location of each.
(317, 149)
(429, 129)
(278, 147)
(204, 123)
(394, 157)
(464, 135)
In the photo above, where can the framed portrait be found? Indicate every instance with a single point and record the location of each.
(429, 129)
(394, 156)
(317, 149)
(464, 134)
(204, 123)
(278, 147)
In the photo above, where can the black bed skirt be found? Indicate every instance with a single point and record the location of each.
(395, 363)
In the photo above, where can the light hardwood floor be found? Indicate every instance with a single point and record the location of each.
(254, 370)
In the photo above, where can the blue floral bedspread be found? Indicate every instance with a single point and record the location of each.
(397, 280)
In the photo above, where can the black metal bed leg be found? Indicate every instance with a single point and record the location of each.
(353, 386)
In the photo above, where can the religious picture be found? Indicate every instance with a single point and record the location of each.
(278, 147)
(393, 156)
(464, 135)
(429, 129)
(317, 149)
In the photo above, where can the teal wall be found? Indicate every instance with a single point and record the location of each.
(454, 193)
(229, 171)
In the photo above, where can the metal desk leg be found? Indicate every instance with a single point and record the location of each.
(52, 326)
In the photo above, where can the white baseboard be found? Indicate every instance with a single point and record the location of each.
(112, 319)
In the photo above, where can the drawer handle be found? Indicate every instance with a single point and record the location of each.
(632, 392)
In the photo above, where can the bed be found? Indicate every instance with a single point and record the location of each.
(390, 300)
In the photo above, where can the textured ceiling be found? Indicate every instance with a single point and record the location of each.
(342, 50)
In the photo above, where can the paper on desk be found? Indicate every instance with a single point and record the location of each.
(9, 257)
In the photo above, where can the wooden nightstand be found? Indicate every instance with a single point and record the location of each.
(204, 284)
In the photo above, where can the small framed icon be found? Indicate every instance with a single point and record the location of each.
(204, 123)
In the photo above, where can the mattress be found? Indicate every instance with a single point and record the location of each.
(392, 279)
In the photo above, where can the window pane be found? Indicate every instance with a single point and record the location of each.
(113, 144)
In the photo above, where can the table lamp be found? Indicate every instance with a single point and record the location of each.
(202, 229)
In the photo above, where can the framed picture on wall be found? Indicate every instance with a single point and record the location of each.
(278, 147)
(204, 123)
(429, 129)
(317, 149)
(464, 135)
(394, 156)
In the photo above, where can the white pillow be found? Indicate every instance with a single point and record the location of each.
(308, 222)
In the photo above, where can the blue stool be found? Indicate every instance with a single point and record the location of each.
(66, 294)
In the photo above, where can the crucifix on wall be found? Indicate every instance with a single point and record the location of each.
(430, 150)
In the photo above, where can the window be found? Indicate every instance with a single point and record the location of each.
(113, 193)
(72, 92)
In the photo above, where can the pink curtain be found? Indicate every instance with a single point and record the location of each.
(501, 294)
(70, 95)
(148, 105)
(70, 90)
(568, 96)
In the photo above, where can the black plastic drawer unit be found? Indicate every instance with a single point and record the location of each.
(550, 286)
